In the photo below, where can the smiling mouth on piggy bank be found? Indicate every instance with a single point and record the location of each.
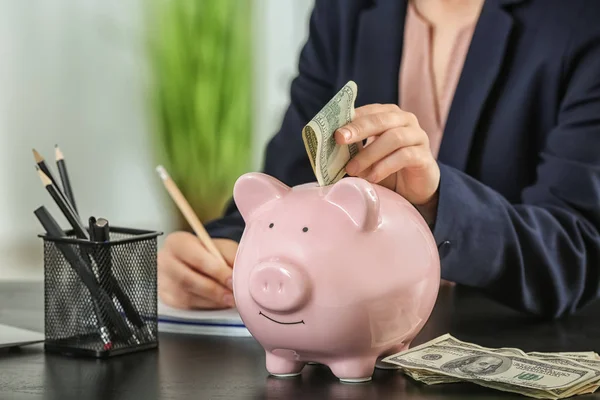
(279, 322)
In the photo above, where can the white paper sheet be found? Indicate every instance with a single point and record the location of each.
(11, 336)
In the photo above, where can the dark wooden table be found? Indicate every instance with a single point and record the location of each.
(204, 367)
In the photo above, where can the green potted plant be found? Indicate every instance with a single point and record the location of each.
(200, 54)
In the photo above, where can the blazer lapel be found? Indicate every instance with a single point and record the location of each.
(480, 71)
(377, 58)
(378, 51)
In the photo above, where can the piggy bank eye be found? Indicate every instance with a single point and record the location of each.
(271, 225)
(305, 229)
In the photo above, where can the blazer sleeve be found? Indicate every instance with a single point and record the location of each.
(285, 155)
(543, 255)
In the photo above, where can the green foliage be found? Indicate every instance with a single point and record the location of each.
(201, 69)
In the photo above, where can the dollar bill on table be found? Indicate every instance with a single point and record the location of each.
(538, 375)
(589, 355)
(327, 158)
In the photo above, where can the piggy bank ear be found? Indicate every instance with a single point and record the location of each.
(357, 198)
(254, 189)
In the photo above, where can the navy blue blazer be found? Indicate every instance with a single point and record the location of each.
(519, 197)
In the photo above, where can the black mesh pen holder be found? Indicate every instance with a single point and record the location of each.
(100, 299)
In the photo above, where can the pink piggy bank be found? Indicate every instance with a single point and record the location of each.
(341, 275)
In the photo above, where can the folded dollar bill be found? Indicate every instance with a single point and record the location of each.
(327, 158)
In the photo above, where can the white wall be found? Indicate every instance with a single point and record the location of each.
(281, 29)
(71, 72)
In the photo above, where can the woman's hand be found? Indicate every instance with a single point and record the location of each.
(397, 154)
(189, 276)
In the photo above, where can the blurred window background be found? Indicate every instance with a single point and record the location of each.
(77, 73)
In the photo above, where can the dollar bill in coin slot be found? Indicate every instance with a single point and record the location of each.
(327, 158)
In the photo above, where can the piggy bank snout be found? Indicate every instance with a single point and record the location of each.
(280, 287)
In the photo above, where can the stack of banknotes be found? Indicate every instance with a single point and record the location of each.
(329, 159)
(539, 375)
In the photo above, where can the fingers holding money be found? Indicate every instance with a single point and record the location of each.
(396, 154)
(374, 120)
(394, 149)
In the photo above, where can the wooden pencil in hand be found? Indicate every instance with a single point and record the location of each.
(188, 213)
(64, 177)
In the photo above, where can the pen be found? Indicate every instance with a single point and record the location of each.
(102, 230)
(91, 224)
(101, 234)
(103, 258)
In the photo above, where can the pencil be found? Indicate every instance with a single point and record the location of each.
(188, 213)
(41, 164)
(63, 205)
(64, 177)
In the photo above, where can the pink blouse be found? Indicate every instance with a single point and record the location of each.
(416, 82)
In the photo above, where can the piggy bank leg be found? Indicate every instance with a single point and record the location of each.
(354, 370)
(282, 367)
(394, 350)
